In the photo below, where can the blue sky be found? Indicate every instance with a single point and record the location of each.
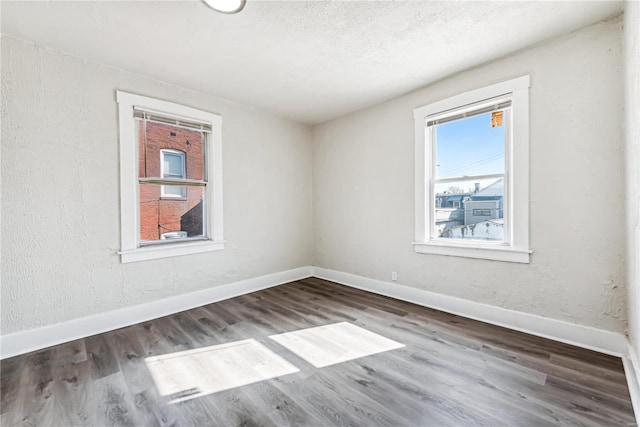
(469, 147)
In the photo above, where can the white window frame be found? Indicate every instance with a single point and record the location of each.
(515, 248)
(131, 250)
(183, 156)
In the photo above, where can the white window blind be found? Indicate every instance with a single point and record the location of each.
(468, 111)
(174, 121)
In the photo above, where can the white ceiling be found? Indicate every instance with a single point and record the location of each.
(310, 61)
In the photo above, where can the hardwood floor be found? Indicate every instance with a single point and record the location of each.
(232, 363)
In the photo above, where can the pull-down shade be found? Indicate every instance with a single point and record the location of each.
(184, 123)
(469, 111)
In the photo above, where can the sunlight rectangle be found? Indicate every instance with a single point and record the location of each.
(193, 373)
(330, 344)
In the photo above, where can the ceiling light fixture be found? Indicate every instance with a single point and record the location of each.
(226, 6)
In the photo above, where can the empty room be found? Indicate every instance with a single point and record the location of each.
(320, 213)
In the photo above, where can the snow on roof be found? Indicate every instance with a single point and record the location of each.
(492, 190)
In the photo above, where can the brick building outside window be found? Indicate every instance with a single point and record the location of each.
(170, 152)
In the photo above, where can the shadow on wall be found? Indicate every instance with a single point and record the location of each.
(192, 221)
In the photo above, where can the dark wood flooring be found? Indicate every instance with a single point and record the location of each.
(451, 371)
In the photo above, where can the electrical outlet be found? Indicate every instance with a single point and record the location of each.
(394, 276)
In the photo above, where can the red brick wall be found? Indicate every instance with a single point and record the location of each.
(158, 137)
(162, 214)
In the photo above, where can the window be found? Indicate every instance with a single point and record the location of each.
(170, 178)
(482, 212)
(473, 150)
(173, 166)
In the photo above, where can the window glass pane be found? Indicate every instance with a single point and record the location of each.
(173, 191)
(173, 165)
(470, 210)
(470, 146)
(160, 215)
(154, 137)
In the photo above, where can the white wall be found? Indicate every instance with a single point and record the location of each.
(364, 203)
(632, 154)
(60, 193)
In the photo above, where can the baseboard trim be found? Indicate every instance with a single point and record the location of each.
(46, 336)
(587, 337)
(632, 371)
(582, 336)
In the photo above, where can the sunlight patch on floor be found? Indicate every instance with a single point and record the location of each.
(193, 373)
(330, 344)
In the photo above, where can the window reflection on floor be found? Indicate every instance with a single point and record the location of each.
(193, 373)
(330, 344)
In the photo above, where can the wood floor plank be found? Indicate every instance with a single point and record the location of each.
(313, 303)
(236, 406)
(35, 404)
(11, 370)
(73, 385)
(71, 352)
(150, 406)
(154, 342)
(448, 370)
(101, 357)
(110, 403)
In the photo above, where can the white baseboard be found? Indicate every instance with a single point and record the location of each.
(632, 371)
(583, 336)
(39, 338)
(570, 333)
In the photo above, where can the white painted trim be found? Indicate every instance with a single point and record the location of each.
(129, 209)
(495, 253)
(469, 97)
(582, 336)
(159, 106)
(46, 336)
(632, 371)
(170, 250)
(516, 180)
(570, 333)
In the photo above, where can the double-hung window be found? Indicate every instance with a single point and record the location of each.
(472, 170)
(173, 167)
(171, 179)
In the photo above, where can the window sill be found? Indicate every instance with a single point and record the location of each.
(169, 250)
(173, 199)
(495, 253)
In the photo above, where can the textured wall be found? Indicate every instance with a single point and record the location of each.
(307, 60)
(364, 180)
(632, 154)
(60, 160)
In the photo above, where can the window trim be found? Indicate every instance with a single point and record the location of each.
(131, 251)
(183, 157)
(516, 245)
